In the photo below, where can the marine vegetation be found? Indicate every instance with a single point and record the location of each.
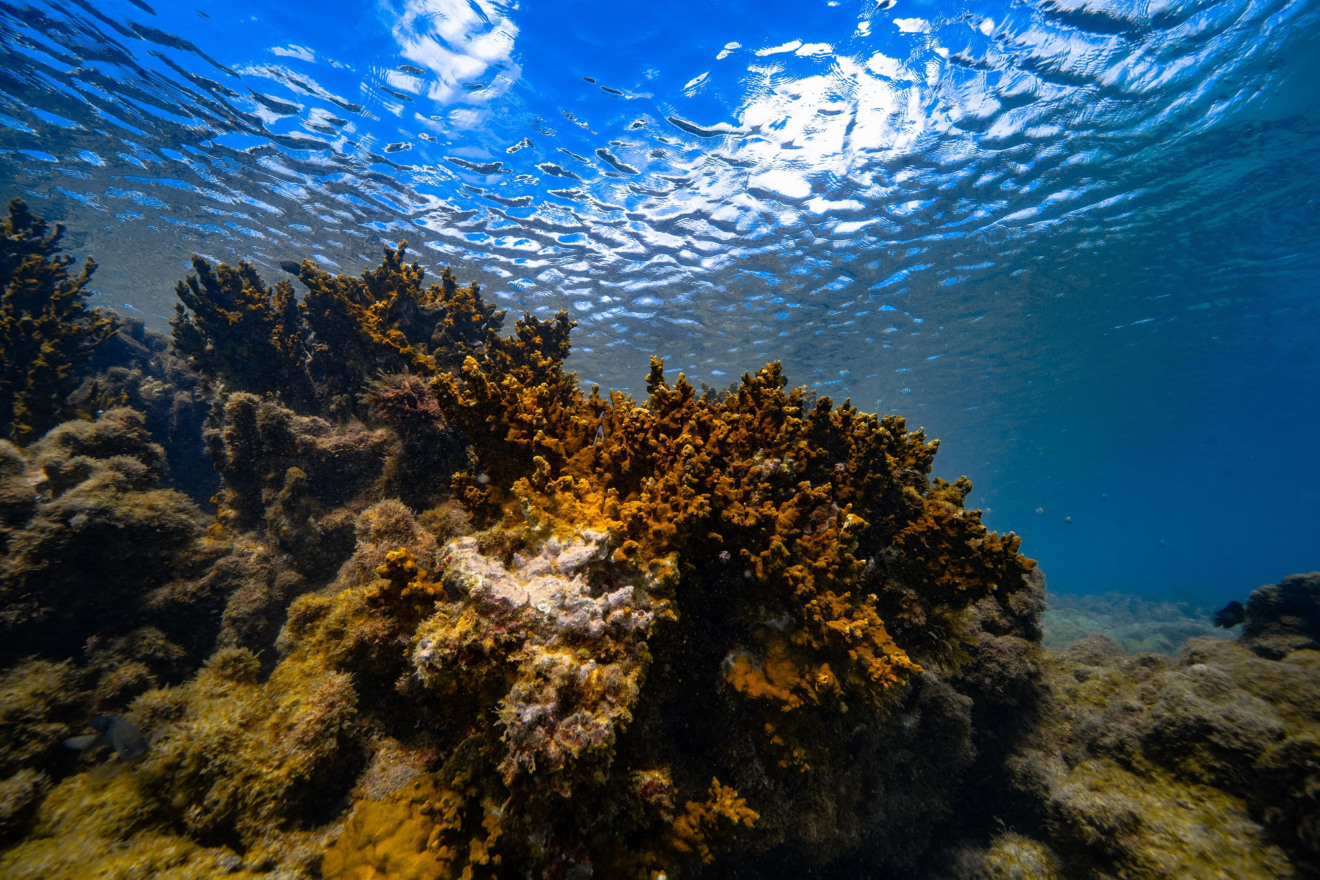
(47, 330)
(450, 615)
(230, 326)
(323, 351)
(1148, 766)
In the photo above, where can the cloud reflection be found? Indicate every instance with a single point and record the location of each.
(458, 41)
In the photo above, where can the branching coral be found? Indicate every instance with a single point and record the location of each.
(404, 587)
(255, 443)
(701, 824)
(47, 332)
(387, 322)
(517, 403)
(782, 537)
(828, 511)
(664, 594)
(346, 331)
(428, 452)
(234, 328)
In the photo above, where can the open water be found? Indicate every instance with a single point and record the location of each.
(1078, 241)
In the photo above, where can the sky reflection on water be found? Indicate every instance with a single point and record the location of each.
(1075, 240)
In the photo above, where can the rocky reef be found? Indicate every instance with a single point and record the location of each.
(1148, 766)
(443, 614)
(1135, 623)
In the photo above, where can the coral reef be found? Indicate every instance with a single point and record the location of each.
(322, 352)
(838, 534)
(428, 451)
(293, 474)
(47, 331)
(451, 616)
(38, 707)
(99, 823)
(236, 759)
(603, 610)
(230, 326)
(138, 368)
(1135, 623)
(387, 322)
(90, 535)
(685, 637)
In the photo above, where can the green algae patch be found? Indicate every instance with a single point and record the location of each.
(236, 760)
(99, 824)
(1151, 827)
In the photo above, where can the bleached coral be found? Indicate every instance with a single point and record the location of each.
(572, 636)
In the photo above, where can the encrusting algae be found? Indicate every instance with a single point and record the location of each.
(448, 616)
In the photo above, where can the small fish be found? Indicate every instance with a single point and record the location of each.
(111, 730)
(290, 266)
(1230, 615)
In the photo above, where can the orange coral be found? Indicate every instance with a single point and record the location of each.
(431, 829)
(403, 586)
(816, 518)
(704, 828)
(384, 839)
(516, 402)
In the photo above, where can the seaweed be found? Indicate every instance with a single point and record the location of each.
(47, 331)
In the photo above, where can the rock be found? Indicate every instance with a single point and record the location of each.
(1284, 617)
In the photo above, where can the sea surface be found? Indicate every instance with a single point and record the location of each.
(1079, 242)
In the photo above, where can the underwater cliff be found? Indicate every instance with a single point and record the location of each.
(387, 594)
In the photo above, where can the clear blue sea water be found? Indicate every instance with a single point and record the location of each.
(1076, 240)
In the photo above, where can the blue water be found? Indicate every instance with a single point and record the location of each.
(1078, 241)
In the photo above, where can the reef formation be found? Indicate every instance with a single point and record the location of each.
(390, 595)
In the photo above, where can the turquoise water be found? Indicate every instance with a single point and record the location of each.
(1078, 242)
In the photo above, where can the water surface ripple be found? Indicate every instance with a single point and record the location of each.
(1010, 220)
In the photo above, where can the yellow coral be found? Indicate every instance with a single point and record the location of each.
(390, 838)
(775, 677)
(426, 831)
(704, 828)
(404, 586)
(828, 510)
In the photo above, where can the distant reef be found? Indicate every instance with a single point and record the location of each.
(1137, 624)
(386, 594)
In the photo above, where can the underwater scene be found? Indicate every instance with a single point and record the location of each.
(842, 439)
